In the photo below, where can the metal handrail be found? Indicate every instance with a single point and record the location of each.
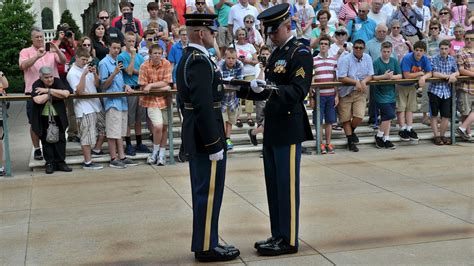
(170, 93)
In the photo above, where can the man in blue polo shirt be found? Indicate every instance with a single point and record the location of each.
(362, 27)
(176, 51)
(111, 78)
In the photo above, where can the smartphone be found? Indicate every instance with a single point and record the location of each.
(47, 47)
(129, 17)
(345, 45)
(262, 59)
(91, 64)
(404, 4)
(156, 39)
(120, 62)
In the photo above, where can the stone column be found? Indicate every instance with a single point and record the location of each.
(56, 13)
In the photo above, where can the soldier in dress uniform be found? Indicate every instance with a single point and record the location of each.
(290, 68)
(203, 136)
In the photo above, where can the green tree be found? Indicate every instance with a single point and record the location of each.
(66, 17)
(15, 27)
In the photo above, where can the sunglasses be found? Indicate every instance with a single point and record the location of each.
(434, 28)
(443, 13)
(86, 45)
(200, 3)
(365, 11)
(469, 39)
(340, 33)
(149, 39)
(103, 18)
(396, 28)
(359, 48)
(249, 21)
(323, 43)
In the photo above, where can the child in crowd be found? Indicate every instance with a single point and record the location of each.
(445, 67)
(230, 68)
(325, 71)
(415, 65)
(385, 68)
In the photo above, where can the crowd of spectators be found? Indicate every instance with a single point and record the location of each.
(353, 41)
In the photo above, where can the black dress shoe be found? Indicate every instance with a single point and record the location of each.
(217, 254)
(277, 247)
(264, 242)
(253, 138)
(63, 167)
(49, 168)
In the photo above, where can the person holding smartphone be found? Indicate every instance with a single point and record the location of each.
(31, 60)
(126, 22)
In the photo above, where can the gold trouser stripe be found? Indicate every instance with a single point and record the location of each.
(292, 195)
(210, 203)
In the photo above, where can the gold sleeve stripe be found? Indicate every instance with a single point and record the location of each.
(213, 142)
(292, 194)
(210, 204)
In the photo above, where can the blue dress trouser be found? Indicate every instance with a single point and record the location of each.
(207, 185)
(282, 178)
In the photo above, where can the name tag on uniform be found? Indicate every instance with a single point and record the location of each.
(358, 26)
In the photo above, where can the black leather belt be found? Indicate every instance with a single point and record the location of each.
(189, 106)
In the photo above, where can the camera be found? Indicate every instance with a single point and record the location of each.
(156, 39)
(262, 59)
(167, 6)
(345, 45)
(47, 47)
(91, 64)
(68, 34)
(129, 17)
(404, 4)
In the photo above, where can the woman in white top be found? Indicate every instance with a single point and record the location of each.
(400, 45)
(447, 26)
(341, 47)
(253, 36)
(247, 54)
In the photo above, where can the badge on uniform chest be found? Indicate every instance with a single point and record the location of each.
(280, 66)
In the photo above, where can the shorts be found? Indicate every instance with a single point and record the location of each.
(158, 116)
(439, 105)
(352, 105)
(465, 103)
(328, 110)
(230, 116)
(90, 126)
(406, 99)
(29, 109)
(136, 113)
(115, 123)
(387, 111)
(224, 38)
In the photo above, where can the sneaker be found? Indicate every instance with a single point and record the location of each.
(404, 136)
(355, 139)
(352, 147)
(2, 172)
(161, 161)
(330, 149)
(92, 166)
(142, 148)
(96, 154)
(151, 159)
(389, 145)
(412, 135)
(379, 143)
(117, 164)
(73, 139)
(463, 134)
(38, 156)
(130, 151)
(128, 162)
(253, 138)
(230, 145)
(323, 149)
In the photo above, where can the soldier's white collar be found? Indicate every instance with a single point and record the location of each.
(291, 37)
(199, 47)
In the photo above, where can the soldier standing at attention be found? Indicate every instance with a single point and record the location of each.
(203, 136)
(290, 68)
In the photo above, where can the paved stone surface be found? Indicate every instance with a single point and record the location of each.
(413, 205)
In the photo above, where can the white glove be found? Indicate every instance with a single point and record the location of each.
(217, 156)
(256, 85)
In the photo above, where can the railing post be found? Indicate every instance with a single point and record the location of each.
(6, 144)
(453, 113)
(170, 127)
(318, 122)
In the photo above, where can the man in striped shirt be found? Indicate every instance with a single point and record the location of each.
(325, 71)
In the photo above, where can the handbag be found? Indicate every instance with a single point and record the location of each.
(52, 132)
(418, 32)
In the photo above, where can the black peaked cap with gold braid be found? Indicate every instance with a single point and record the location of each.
(272, 17)
(205, 20)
